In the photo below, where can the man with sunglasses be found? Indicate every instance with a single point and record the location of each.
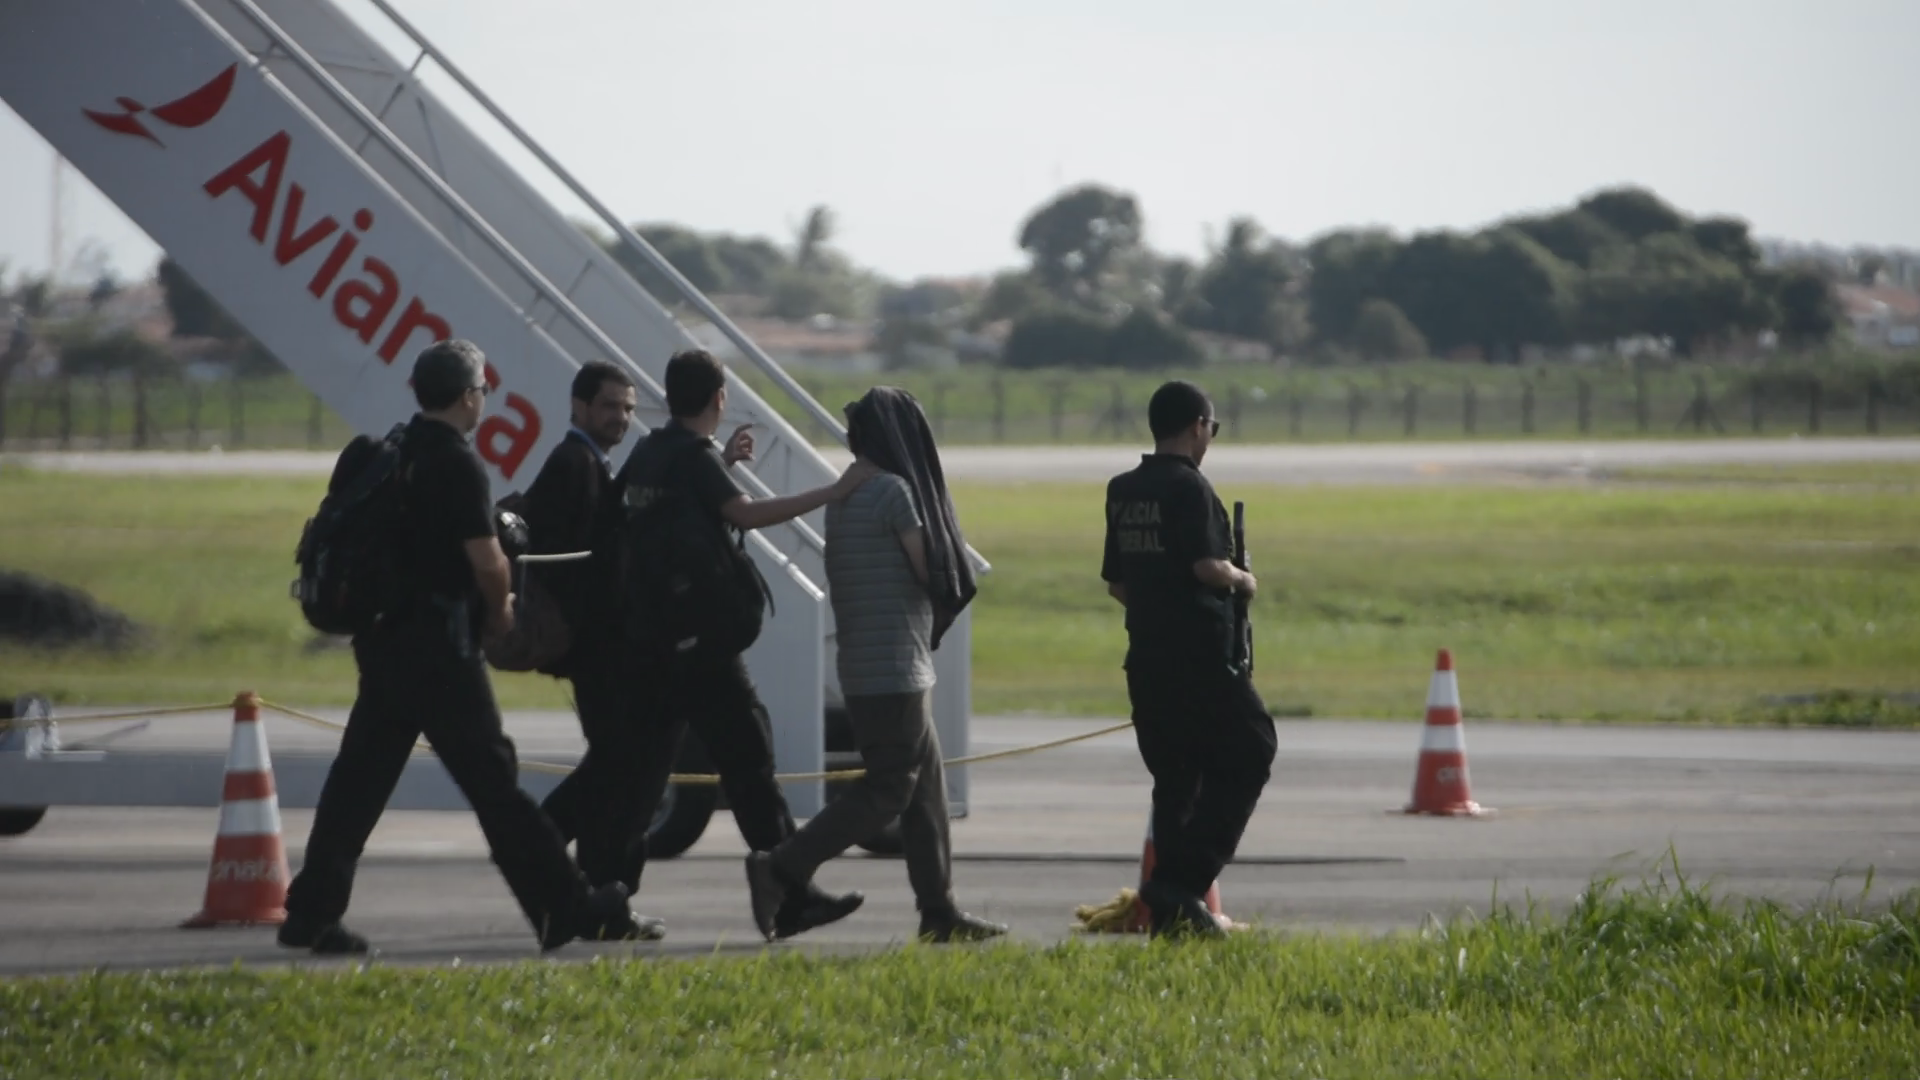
(1204, 734)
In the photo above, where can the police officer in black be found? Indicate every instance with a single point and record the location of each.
(1204, 734)
(711, 691)
(422, 672)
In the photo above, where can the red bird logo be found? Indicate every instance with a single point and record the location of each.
(188, 111)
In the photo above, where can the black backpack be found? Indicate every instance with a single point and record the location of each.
(688, 585)
(349, 550)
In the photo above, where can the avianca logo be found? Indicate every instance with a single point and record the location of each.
(362, 299)
(187, 111)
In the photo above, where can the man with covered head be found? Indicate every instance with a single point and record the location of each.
(898, 576)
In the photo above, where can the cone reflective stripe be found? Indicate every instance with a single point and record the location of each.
(1440, 782)
(1141, 919)
(247, 883)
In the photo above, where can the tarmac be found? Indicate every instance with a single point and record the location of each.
(1795, 816)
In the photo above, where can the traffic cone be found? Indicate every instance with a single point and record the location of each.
(1440, 780)
(1141, 920)
(247, 883)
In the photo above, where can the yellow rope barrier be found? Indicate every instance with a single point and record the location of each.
(552, 769)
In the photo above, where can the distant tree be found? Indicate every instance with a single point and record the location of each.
(1574, 236)
(1524, 293)
(1437, 279)
(1667, 287)
(1349, 268)
(1013, 294)
(1083, 244)
(86, 350)
(1383, 332)
(1062, 337)
(1240, 291)
(810, 244)
(1809, 311)
(1727, 238)
(1870, 267)
(752, 264)
(1634, 212)
(1145, 341)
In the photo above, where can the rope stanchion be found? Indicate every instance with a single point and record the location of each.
(549, 768)
(141, 714)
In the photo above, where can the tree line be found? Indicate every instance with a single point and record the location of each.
(1619, 264)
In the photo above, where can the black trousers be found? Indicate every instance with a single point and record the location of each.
(1208, 741)
(717, 699)
(413, 682)
(598, 803)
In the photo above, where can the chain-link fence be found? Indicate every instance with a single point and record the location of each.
(1032, 408)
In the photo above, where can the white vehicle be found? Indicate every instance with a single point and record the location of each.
(302, 175)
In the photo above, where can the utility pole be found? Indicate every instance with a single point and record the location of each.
(53, 221)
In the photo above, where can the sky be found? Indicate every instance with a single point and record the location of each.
(933, 129)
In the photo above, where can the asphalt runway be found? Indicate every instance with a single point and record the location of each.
(1227, 463)
(1791, 815)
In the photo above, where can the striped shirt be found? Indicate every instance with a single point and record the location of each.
(883, 618)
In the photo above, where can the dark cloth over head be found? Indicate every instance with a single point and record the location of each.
(889, 428)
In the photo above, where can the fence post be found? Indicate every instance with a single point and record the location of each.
(1526, 407)
(1873, 407)
(1585, 406)
(1469, 405)
(1233, 412)
(66, 412)
(3, 414)
(1412, 407)
(103, 423)
(999, 410)
(193, 414)
(1642, 407)
(238, 420)
(1354, 404)
(141, 423)
(314, 418)
(1753, 403)
(1058, 407)
(1813, 407)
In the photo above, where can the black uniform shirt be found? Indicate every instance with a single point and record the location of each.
(569, 508)
(658, 463)
(447, 503)
(1161, 519)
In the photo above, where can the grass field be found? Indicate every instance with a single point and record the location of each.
(1656, 982)
(1671, 599)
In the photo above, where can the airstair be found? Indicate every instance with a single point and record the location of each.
(347, 216)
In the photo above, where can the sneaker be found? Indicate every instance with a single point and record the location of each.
(958, 926)
(814, 910)
(324, 939)
(603, 916)
(1177, 913)
(765, 891)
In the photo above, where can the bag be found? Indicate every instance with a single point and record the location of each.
(349, 550)
(540, 638)
(686, 579)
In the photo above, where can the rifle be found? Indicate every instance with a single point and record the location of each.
(1242, 628)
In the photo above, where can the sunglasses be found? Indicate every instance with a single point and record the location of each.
(483, 388)
(1214, 428)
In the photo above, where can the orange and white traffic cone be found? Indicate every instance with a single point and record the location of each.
(1141, 920)
(247, 883)
(1440, 783)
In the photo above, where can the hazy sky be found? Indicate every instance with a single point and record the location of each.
(932, 130)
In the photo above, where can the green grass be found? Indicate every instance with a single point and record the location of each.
(1608, 603)
(1659, 981)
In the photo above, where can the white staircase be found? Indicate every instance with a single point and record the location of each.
(301, 173)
